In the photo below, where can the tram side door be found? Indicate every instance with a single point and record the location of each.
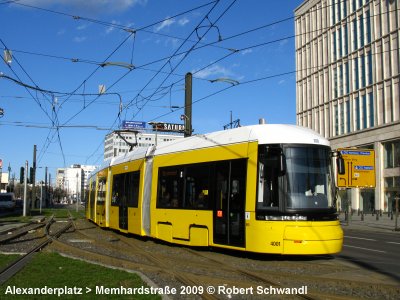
(230, 196)
(123, 203)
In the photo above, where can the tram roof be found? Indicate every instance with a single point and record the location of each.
(263, 134)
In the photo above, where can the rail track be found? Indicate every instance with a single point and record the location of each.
(17, 232)
(7, 272)
(181, 266)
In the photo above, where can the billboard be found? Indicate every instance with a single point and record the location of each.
(133, 125)
(360, 168)
(161, 126)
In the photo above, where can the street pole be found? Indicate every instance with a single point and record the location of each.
(188, 104)
(41, 196)
(397, 214)
(76, 191)
(33, 177)
(25, 188)
(45, 187)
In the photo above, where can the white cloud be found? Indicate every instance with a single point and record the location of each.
(82, 27)
(166, 23)
(80, 39)
(172, 42)
(111, 28)
(215, 70)
(283, 43)
(92, 6)
(247, 51)
(61, 32)
(183, 21)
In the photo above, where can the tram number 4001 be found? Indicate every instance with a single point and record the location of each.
(275, 244)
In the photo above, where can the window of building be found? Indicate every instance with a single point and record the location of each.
(392, 154)
(345, 42)
(371, 109)
(341, 114)
(370, 72)
(392, 191)
(346, 67)
(364, 111)
(361, 31)
(355, 36)
(355, 74)
(340, 80)
(348, 117)
(363, 75)
(334, 46)
(368, 29)
(336, 119)
(340, 43)
(357, 113)
(335, 83)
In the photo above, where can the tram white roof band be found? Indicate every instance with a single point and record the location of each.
(264, 133)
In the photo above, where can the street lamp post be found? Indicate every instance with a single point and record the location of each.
(76, 191)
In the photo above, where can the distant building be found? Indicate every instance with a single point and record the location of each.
(115, 145)
(347, 85)
(3, 182)
(74, 180)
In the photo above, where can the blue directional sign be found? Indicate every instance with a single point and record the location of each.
(133, 125)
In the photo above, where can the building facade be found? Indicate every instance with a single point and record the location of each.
(74, 181)
(114, 145)
(347, 85)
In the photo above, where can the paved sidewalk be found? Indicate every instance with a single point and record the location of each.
(370, 222)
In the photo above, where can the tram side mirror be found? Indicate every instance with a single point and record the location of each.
(340, 165)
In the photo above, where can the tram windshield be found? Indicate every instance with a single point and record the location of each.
(294, 178)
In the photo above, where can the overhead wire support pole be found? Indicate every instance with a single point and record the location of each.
(33, 177)
(25, 209)
(188, 104)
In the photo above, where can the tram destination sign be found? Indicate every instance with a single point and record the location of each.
(161, 126)
(360, 168)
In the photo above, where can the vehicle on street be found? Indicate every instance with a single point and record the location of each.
(7, 201)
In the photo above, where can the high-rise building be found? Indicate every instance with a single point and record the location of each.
(347, 84)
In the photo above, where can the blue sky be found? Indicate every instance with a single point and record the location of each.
(48, 91)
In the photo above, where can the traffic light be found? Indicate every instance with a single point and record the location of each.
(22, 175)
(31, 175)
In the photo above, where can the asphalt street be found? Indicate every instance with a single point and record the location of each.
(373, 250)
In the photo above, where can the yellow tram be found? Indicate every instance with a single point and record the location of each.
(263, 188)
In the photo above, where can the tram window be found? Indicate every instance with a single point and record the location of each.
(269, 174)
(125, 189)
(170, 187)
(186, 187)
(101, 190)
(197, 186)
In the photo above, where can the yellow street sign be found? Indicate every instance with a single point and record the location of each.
(360, 168)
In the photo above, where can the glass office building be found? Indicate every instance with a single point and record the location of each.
(347, 84)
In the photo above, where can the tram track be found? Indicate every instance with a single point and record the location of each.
(145, 261)
(10, 270)
(186, 277)
(17, 232)
(169, 265)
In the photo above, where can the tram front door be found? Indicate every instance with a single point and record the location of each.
(230, 196)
